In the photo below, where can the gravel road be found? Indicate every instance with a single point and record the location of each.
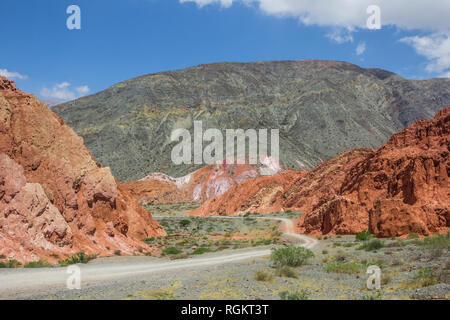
(18, 282)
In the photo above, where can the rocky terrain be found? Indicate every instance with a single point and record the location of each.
(322, 108)
(55, 199)
(398, 189)
(410, 268)
(259, 195)
(199, 186)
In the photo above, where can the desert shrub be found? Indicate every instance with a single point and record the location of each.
(289, 211)
(375, 296)
(80, 257)
(38, 264)
(117, 252)
(287, 272)
(413, 235)
(447, 264)
(386, 279)
(377, 262)
(2, 256)
(201, 250)
(343, 267)
(263, 276)
(340, 256)
(324, 251)
(424, 277)
(149, 240)
(372, 245)
(364, 235)
(397, 243)
(184, 223)
(291, 256)
(303, 294)
(10, 264)
(440, 241)
(171, 250)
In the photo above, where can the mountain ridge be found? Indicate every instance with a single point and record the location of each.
(322, 108)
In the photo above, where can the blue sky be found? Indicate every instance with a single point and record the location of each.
(123, 39)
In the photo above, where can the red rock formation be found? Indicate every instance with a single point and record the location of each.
(260, 195)
(400, 188)
(199, 186)
(54, 197)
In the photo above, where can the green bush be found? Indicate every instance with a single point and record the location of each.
(299, 295)
(201, 250)
(38, 264)
(440, 241)
(184, 223)
(263, 276)
(10, 264)
(375, 296)
(364, 235)
(117, 252)
(171, 250)
(372, 245)
(287, 272)
(425, 277)
(149, 239)
(2, 256)
(80, 257)
(343, 267)
(291, 256)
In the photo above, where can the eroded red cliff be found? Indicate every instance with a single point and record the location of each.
(398, 189)
(55, 199)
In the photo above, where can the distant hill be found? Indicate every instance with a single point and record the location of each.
(322, 109)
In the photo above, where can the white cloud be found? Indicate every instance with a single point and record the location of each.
(361, 48)
(436, 48)
(202, 3)
(12, 74)
(345, 17)
(411, 14)
(83, 90)
(62, 91)
(341, 35)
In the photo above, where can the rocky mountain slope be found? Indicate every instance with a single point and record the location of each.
(322, 108)
(199, 186)
(400, 188)
(55, 199)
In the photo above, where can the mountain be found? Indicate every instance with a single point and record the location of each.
(400, 188)
(322, 108)
(55, 199)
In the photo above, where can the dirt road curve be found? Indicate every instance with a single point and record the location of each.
(16, 281)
